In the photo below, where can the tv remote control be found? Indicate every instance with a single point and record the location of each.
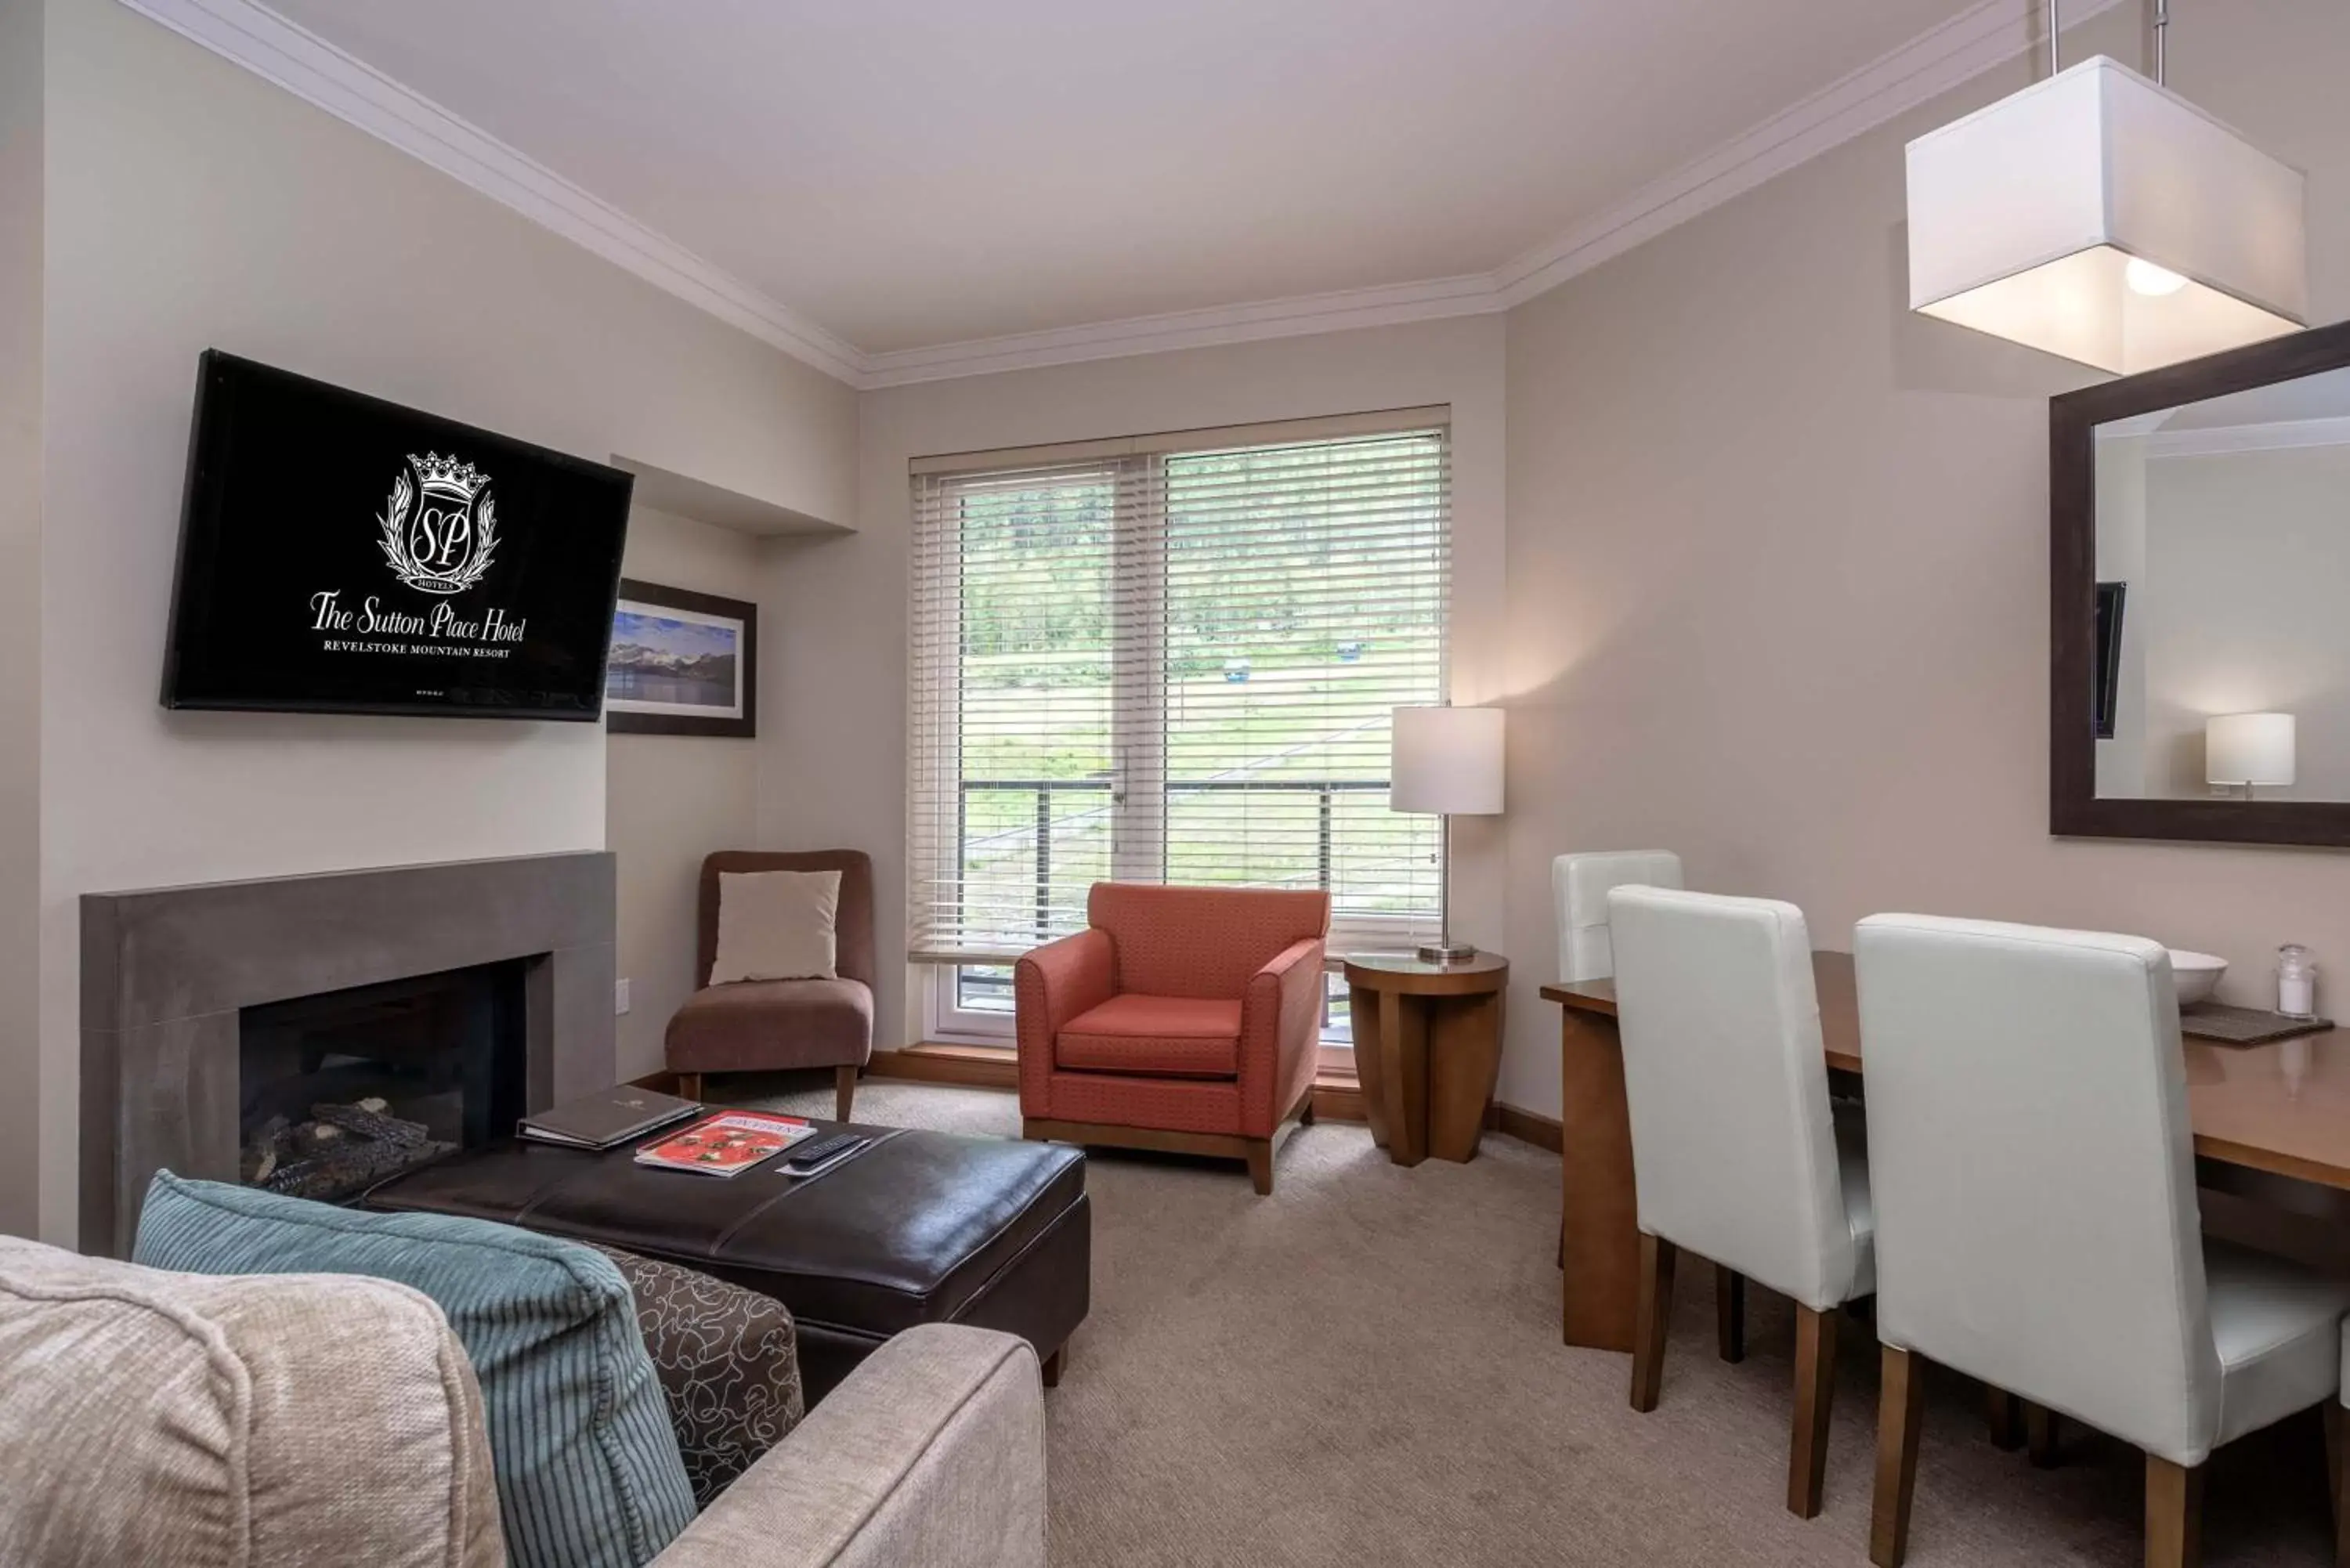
(809, 1155)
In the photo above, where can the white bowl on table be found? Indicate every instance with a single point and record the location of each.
(2195, 975)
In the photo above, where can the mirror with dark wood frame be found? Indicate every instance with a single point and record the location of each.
(2199, 639)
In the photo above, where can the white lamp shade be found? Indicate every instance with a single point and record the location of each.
(2099, 216)
(1447, 760)
(2248, 749)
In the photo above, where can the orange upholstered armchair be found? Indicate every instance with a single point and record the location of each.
(1185, 1019)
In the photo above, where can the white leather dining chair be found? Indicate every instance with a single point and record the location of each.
(1736, 1152)
(2037, 1225)
(1579, 886)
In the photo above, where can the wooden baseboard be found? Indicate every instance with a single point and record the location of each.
(1339, 1100)
(973, 1066)
(1342, 1102)
(1526, 1126)
(1338, 1096)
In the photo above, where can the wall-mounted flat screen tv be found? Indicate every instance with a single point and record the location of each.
(343, 554)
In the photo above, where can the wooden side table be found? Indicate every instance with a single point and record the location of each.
(1428, 1048)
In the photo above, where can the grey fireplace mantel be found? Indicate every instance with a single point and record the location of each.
(166, 972)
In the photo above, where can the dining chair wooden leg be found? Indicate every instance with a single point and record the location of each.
(1807, 1450)
(2174, 1514)
(1652, 1315)
(2004, 1412)
(1901, 1407)
(1730, 1312)
(2041, 1428)
(2337, 1455)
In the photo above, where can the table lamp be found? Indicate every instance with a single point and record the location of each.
(2248, 749)
(1447, 761)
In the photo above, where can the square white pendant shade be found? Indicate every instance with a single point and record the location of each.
(2100, 216)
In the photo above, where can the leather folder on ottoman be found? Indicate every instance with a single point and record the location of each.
(772, 1026)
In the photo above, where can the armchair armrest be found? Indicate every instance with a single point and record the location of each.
(1050, 986)
(932, 1451)
(1280, 1016)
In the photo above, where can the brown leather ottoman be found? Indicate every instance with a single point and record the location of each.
(919, 1226)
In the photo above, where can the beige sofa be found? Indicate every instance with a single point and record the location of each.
(151, 1418)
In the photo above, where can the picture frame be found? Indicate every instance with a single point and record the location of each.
(681, 663)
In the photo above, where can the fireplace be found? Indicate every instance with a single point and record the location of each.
(232, 1031)
(339, 1091)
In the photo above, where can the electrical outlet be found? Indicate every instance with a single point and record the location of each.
(620, 996)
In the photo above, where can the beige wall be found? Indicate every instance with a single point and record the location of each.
(21, 106)
(834, 764)
(2246, 574)
(1778, 564)
(670, 800)
(190, 203)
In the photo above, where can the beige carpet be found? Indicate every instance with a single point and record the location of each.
(1365, 1368)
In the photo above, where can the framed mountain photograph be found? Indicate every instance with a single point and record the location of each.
(683, 664)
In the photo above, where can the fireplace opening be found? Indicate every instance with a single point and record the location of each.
(347, 1088)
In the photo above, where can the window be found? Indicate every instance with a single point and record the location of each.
(1171, 661)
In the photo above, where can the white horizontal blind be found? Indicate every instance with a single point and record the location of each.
(1020, 647)
(1173, 665)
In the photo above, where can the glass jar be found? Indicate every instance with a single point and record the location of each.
(2297, 981)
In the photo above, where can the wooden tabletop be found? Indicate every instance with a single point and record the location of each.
(2281, 1107)
(1416, 976)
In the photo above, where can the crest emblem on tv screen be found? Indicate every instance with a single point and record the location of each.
(439, 530)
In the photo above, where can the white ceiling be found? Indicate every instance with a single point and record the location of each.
(908, 173)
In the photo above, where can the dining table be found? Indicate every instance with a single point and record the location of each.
(2280, 1109)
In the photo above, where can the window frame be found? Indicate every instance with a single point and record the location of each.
(944, 1018)
(1138, 700)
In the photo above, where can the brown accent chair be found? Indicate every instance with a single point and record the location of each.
(772, 1026)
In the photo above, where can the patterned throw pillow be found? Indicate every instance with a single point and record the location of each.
(728, 1360)
(588, 1469)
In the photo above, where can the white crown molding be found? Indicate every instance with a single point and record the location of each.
(2226, 440)
(1919, 71)
(1986, 35)
(313, 70)
(1294, 317)
(319, 73)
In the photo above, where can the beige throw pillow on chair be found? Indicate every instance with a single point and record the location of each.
(776, 924)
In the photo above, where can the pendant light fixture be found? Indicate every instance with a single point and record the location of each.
(2099, 216)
